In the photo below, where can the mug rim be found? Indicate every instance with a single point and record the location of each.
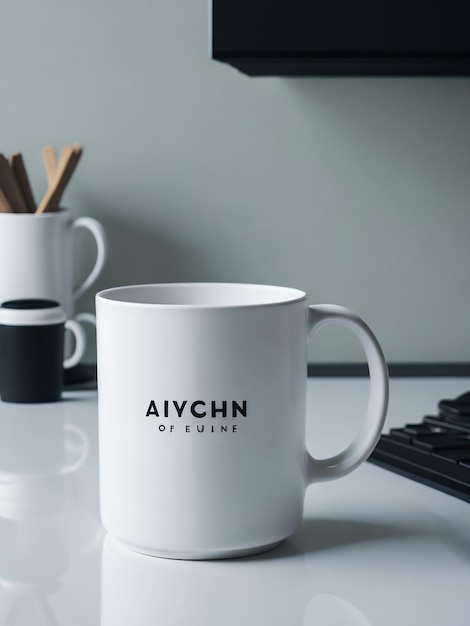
(290, 295)
(38, 316)
(60, 212)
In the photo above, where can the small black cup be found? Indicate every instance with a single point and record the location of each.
(32, 350)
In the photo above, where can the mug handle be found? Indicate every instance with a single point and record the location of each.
(86, 317)
(101, 251)
(366, 439)
(80, 343)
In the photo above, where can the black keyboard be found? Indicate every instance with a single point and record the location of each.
(435, 451)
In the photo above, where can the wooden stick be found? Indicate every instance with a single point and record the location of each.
(10, 187)
(66, 166)
(66, 150)
(19, 171)
(63, 155)
(50, 163)
(4, 204)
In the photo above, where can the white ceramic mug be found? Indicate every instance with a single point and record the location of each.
(36, 256)
(202, 392)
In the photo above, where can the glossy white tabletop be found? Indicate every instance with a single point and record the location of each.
(374, 548)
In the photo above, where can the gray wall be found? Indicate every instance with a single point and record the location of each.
(356, 190)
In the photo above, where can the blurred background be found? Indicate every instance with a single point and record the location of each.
(355, 190)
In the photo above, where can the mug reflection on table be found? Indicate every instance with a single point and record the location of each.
(39, 453)
(276, 589)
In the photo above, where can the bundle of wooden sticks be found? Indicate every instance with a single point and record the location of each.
(16, 195)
